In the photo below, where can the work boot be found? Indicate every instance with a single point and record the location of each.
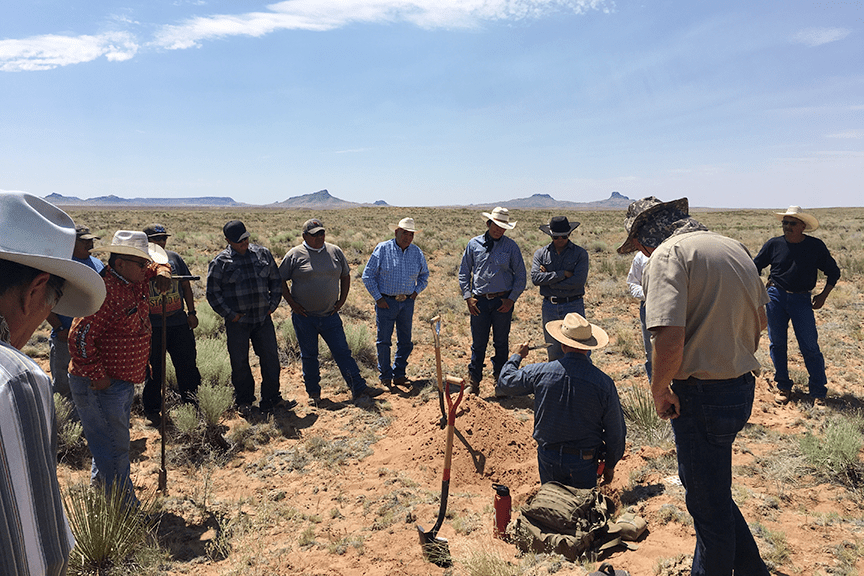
(474, 386)
(783, 396)
(400, 381)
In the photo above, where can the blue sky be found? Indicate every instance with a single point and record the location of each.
(756, 103)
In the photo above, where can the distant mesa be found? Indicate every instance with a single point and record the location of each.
(323, 200)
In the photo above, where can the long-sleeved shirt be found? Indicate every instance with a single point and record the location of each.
(393, 271)
(634, 277)
(499, 270)
(575, 403)
(552, 282)
(34, 536)
(247, 284)
(794, 265)
(115, 341)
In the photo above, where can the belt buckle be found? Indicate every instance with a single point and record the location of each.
(553, 299)
(400, 297)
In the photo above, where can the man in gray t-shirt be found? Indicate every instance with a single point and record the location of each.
(320, 279)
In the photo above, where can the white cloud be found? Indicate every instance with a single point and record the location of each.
(855, 134)
(319, 15)
(50, 51)
(817, 36)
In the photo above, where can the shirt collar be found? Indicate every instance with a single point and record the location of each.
(314, 249)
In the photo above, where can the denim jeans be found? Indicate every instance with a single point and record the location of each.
(569, 469)
(58, 362)
(400, 315)
(330, 328)
(798, 308)
(263, 338)
(180, 344)
(105, 418)
(712, 414)
(646, 339)
(552, 312)
(499, 322)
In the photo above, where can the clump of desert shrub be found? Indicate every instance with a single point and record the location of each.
(214, 400)
(186, 420)
(360, 342)
(110, 535)
(210, 324)
(641, 415)
(69, 431)
(836, 454)
(213, 362)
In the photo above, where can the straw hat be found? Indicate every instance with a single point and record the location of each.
(134, 243)
(501, 217)
(40, 235)
(576, 332)
(810, 221)
(406, 224)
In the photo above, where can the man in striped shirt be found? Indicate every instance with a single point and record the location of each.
(395, 274)
(36, 276)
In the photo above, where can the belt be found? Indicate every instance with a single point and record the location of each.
(492, 295)
(562, 299)
(397, 297)
(772, 284)
(586, 454)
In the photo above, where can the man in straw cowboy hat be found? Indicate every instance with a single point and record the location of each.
(37, 275)
(491, 278)
(576, 405)
(110, 350)
(794, 259)
(560, 269)
(704, 304)
(394, 275)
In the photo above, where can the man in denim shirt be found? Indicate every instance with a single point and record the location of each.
(243, 286)
(395, 274)
(491, 278)
(560, 269)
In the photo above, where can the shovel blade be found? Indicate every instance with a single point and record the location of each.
(435, 550)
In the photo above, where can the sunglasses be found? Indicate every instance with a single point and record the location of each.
(791, 223)
(557, 236)
(138, 263)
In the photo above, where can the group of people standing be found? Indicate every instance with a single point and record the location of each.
(703, 312)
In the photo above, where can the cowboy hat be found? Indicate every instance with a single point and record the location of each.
(134, 243)
(640, 210)
(810, 221)
(576, 332)
(501, 217)
(406, 224)
(559, 226)
(40, 235)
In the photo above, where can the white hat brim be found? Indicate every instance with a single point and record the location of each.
(155, 252)
(810, 222)
(502, 224)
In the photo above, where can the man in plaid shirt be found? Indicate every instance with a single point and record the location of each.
(244, 287)
(395, 274)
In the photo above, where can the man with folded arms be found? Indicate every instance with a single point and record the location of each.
(110, 350)
(491, 278)
(37, 275)
(395, 274)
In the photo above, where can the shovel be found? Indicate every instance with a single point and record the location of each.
(435, 323)
(435, 549)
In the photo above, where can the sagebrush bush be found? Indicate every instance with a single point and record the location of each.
(214, 400)
(213, 362)
(185, 419)
(69, 430)
(210, 324)
(836, 453)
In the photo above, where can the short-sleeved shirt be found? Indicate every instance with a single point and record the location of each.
(315, 277)
(34, 535)
(174, 303)
(707, 284)
(794, 264)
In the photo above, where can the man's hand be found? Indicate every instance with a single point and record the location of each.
(162, 282)
(297, 308)
(506, 305)
(608, 475)
(338, 305)
(667, 404)
(568, 274)
(413, 295)
(382, 303)
(100, 384)
(192, 321)
(472, 306)
(521, 349)
(819, 300)
(237, 318)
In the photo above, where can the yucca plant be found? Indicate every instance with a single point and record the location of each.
(638, 407)
(109, 533)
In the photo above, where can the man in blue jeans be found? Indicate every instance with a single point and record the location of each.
(243, 287)
(491, 278)
(704, 303)
(320, 281)
(395, 274)
(794, 259)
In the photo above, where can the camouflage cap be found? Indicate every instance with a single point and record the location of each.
(640, 211)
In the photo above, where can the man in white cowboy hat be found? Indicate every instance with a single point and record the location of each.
(37, 275)
(58, 358)
(560, 269)
(491, 278)
(110, 349)
(705, 307)
(576, 406)
(794, 259)
(394, 275)
(320, 281)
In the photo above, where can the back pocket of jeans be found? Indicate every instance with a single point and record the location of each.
(722, 423)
